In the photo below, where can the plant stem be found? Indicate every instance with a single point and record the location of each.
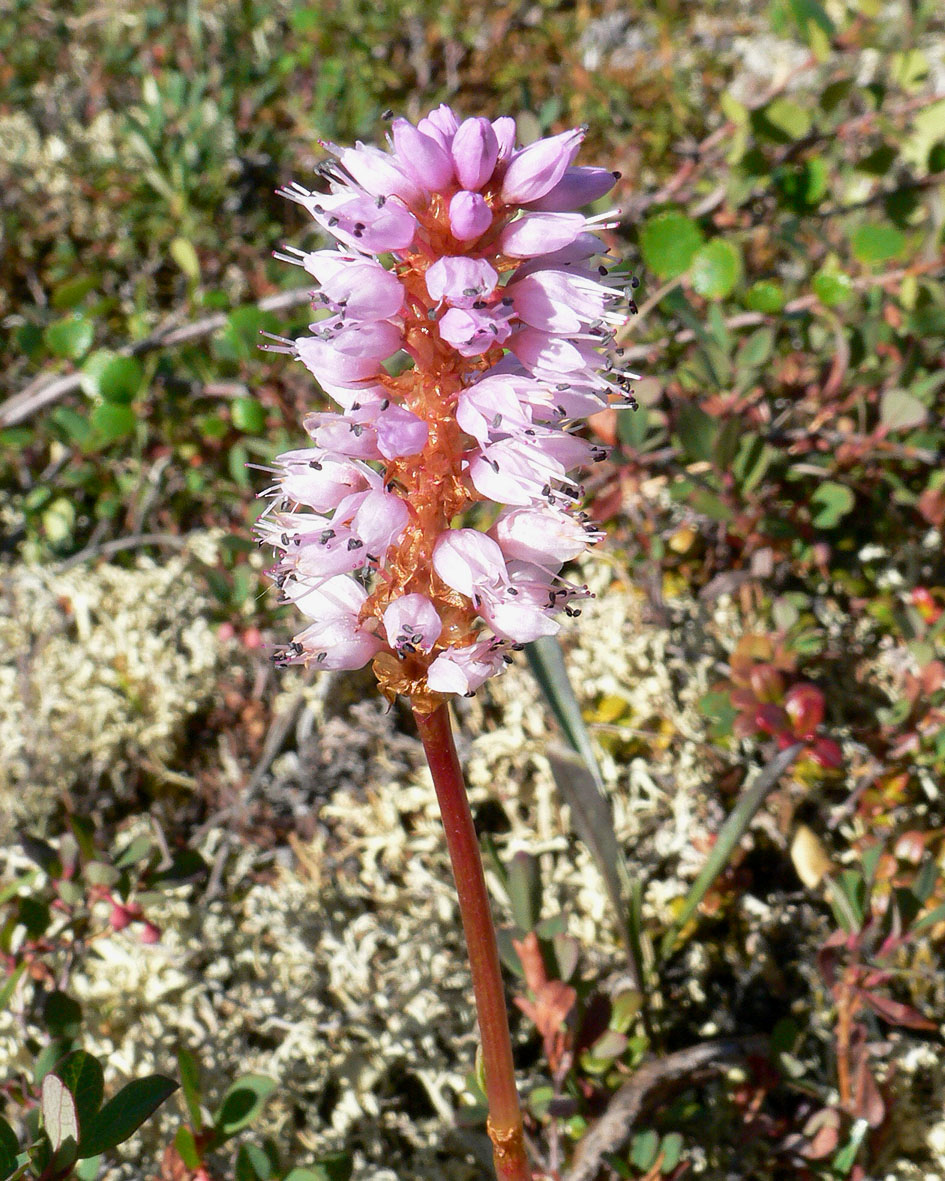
(505, 1118)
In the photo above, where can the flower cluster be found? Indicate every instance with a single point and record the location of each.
(500, 325)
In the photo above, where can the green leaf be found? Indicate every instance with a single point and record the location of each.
(252, 1164)
(249, 415)
(125, 1113)
(593, 821)
(524, 888)
(668, 243)
(716, 269)
(8, 988)
(186, 866)
(82, 1075)
(9, 1147)
(136, 851)
(846, 893)
(67, 295)
(42, 854)
(335, 1166)
(730, 834)
(766, 297)
(76, 427)
(62, 1015)
(34, 915)
(901, 411)
(118, 379)
(831, 502)
(929, 920)
(183, 253)
(671, 1147)
(643, 1149)
(186, 1147)
(877, 243)
(697, 432)
(242, 1103)
(113, 422)
(832, 287)
(70, 338)
(190, 1085)
(757, 349)
(88, 1169)
(59, 1112)
(788, 117)
(845, 1159)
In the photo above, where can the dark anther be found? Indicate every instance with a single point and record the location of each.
(354, 543)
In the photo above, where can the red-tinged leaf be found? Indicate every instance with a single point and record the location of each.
(533, 964)
(867, 1103)
(827, 753)
(553, 999)
(766, 682)
(770, 719)
(804, 705)
(897, 1013)
(823, 1130)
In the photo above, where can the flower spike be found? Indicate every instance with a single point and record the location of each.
(494, 298)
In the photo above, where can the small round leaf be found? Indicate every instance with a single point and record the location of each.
(832, 288)
(766, 297)
(71, 337)
(249, 416)
(877, 243)
(716, 269)
(669, 242)
(113, 422)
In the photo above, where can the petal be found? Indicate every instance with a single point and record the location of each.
(330, 365)
(470, 216)
(541, 535)
(517, 621)
(412, 623)
(318, 480)
(535, 170)
(504, 128)
(379, 521)
(466, 559)
(460, 280)
(400, 432)
(463, 670)
(365, 289)
(379, 174)
(440, 125)
(475, 151)
(423, 157)
(540, 233)
(578, 187)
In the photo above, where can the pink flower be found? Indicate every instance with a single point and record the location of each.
(492, 291)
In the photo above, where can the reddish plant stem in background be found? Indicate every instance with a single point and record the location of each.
(505, 1118)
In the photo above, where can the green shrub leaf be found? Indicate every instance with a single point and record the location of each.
(70, 338)
(716, 269)
(831, 503)
(125, 1113)
(877, 243)
(668, 243)
(242, 1103)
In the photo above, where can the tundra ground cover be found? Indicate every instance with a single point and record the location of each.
(772, 579)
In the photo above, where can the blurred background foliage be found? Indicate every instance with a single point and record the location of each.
(783, 205)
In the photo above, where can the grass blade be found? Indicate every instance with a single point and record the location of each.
(730, 834)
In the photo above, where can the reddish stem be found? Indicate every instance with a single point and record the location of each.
(505, 1118)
